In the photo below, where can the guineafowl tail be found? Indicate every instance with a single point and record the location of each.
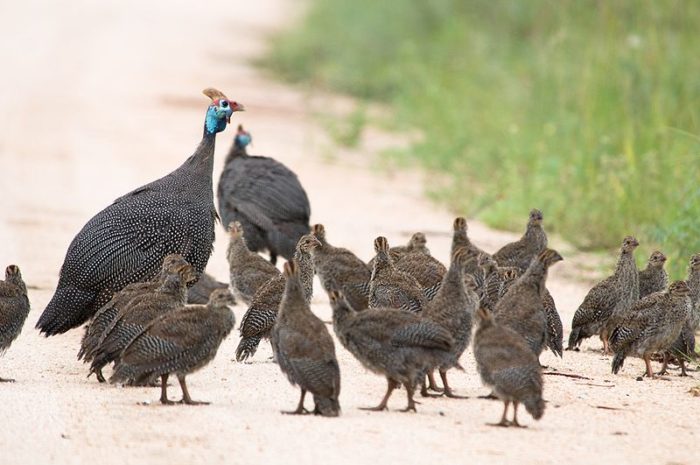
(247, 347)
(618, 362)
(327, 407)
(556, 348)
(69, 307)
(574, 338)
(535, 406)
(123, 372)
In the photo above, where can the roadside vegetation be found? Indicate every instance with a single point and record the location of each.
(589, 110)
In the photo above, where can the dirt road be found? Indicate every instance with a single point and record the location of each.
(100, 97)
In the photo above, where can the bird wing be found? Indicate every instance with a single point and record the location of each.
(422, 334)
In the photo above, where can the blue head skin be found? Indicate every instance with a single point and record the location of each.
(243, 138)
(219, 115)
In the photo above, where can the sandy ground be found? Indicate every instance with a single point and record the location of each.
(100, 97)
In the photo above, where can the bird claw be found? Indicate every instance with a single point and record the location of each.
(409, 408)
(378, 408)
(7, 380)
(193, 402)
(303, 411)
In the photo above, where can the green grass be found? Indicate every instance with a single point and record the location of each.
(589, 110)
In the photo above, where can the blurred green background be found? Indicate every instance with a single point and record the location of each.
(589, 110)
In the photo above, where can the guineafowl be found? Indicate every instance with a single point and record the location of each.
(426, 269)
(453, 308)
(267, 199)
(304, 349)
(652, 326)
(179, 342)
(608, 299)
(391, 288)
(206, 284)
(108, 312)
(339, 269)
(127, 241)
(137, 314)
(417, 243)
(521, 252)
(14, 308)
(399, 345)
(248, 271)
(460, 239)
(653, 278)
(506, 364)
(522, 309)
(262, 312)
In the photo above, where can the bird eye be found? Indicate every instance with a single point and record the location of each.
(224, 103)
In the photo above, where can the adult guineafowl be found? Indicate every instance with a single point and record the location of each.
(127, 241)
(267, 199)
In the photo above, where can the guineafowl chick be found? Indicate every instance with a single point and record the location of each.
(341, 270)
(202, 289)
(399, 345)
(427, 270)
(248, 270)
(266, 197)
(262, 312)
(172, 264)
(554, 327)
(390, 288)
(304, 349)
(653, 278)
(128, 240)
(14, 308)
(652, 326)
(521, 308)
(521, 252)
(507, 365)
(460, 239)
(416, 243)
(138, 313)
(178, 342)
(612, 296)
(453, 308)
(495, 280)
(683, 348)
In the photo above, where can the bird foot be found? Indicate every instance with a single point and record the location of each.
(488, 396)
(378, 408)
(301, 411)
(662, 372)
(425, 393)
(167, 402)
(193, 402)
(449, 393)
(7, 380)
(409, 408)
(502, 424)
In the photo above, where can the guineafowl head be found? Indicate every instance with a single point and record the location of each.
(657, 259)
(243, 138)
(221, 297)
(417, 242)
(220, 111)
(629, 243)
(695, 262)
(535, 217)
(12, 273)
(679, 289)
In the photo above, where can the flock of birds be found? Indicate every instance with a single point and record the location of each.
(135, 273)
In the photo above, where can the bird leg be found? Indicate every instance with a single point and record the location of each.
(664, 367)
(682, 363)
(604, 339)
(273, 258)
(504, 421)
(186, 399)
(7, 380)
(410, 389)
(100, 376)
(164, 390)
(432, 384)
(448, 391)
(515, 416)
(647, 362)
(300, 408)
(391, 385)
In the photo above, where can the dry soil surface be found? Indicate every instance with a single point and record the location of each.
(97, 98)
